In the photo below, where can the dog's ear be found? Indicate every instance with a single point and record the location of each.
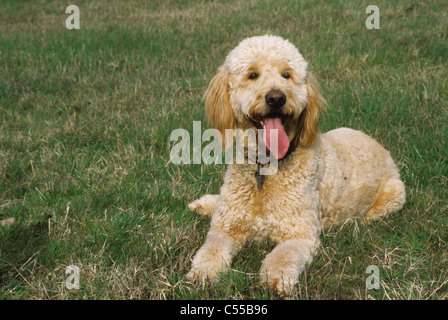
(217, 103)
(309, 118)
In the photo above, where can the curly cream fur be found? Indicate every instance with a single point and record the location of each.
(328, 179)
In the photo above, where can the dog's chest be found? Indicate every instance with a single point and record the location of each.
(263, 227)
(269, 210)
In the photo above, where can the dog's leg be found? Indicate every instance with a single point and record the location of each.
(215, 256)
(283, 265)
(390, 197)
(204, 206)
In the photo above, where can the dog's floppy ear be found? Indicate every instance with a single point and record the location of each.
(309, 118)
(217, 103)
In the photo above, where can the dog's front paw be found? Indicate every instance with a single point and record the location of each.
(201, 275)
(203, 271)
(213, 257)
(204, 206)
(282, 281)
(281, 268)
(283, 265)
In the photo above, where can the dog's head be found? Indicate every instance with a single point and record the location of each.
(264, 84)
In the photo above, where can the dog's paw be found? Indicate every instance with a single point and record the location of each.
(280, 282)
(280, 270)
(201, 276)
(205, 206)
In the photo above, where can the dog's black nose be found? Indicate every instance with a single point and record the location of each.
(275, 99)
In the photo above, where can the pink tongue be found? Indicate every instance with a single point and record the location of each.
(283, 140)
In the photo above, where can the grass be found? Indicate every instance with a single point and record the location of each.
(85, 119)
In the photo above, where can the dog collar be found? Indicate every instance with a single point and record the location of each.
(292, 146)
(260, 178)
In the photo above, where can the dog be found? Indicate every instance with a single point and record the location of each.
(321, 180)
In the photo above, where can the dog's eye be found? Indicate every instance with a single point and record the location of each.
(253, 76)
(286, 75)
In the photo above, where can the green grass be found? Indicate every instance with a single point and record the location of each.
(85, 119)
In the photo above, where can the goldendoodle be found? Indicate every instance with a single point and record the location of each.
(321, 180)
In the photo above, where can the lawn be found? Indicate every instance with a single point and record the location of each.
(85, 121)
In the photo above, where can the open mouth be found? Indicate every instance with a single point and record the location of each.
(278, 144)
